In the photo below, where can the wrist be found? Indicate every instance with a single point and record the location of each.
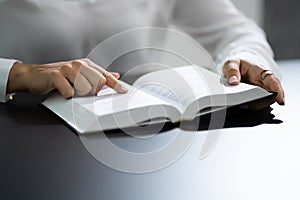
(18, 76)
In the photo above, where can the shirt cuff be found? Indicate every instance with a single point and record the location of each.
(5, 67)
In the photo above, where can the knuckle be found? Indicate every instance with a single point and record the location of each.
(276, 88)
(232, 71)
(76, 63)
(68, 70)
(55, 74)
(66, 67)
(231, 67)
(228, 62)
(102, 80)
(231, 62)
(107, 75)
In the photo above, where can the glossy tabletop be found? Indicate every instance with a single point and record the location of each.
(256, 156)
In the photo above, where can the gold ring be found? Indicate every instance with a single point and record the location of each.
(264, 74)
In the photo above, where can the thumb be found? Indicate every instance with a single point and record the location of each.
(231, 71)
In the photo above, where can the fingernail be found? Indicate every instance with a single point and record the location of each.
(233, 79)
(121, 89)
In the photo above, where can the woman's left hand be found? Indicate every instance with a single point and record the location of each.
(238, 70)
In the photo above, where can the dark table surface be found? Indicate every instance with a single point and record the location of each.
(256, 156)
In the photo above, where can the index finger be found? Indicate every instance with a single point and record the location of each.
(111, 80)
(114, 83)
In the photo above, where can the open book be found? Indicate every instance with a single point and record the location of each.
(174, 94)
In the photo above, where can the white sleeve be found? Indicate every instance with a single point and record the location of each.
(5, 66)
(225, 32)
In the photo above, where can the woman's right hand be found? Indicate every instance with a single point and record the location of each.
(78, 77)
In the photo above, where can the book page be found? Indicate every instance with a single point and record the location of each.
(109, 101)
(179, 86)
(162, 92)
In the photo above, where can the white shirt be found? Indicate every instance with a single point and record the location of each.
(41, 31)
